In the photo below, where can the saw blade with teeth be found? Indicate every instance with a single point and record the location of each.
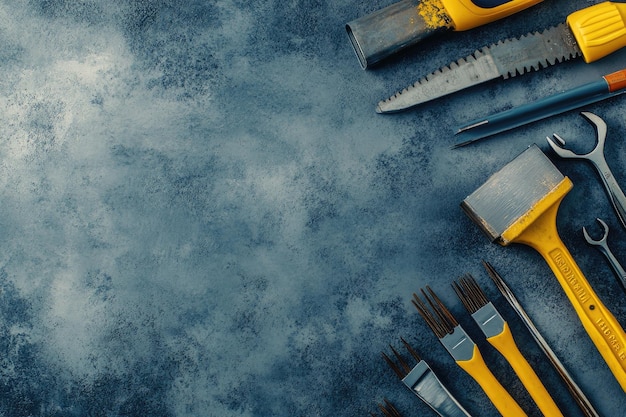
(505, 59)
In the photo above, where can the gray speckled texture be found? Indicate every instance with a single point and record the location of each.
(201, 214)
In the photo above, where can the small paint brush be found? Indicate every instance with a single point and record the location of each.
(424, 383)
(499, 335)
(519, 204)
(464, 351)
(610, 85)
(579, 396)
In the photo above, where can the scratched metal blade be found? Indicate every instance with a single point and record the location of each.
(505, 59)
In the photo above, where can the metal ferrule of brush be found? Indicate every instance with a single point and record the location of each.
(459, 344)
(381, 34)
(489, 320)
(425, 384)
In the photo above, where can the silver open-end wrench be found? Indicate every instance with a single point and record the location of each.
(603, 247)
(596, 157)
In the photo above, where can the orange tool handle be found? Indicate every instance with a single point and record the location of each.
(468, 14)
(616, 80)
(599, 30)
(538, 230)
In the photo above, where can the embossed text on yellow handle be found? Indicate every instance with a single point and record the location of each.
(538, 230)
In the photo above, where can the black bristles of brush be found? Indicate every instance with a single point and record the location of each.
(438, 317)
(388, 409)
(403, 368)
(470, 293)
(412, 351)
(400, 370)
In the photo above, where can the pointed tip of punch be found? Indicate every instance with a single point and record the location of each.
(471, 126)
(462, 144)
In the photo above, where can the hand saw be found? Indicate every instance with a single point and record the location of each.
(592, 33)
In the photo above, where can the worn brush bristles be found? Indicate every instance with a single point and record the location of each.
(470, 293)
(438, 317)
(388, 409)
(403, 368)
(411, 350)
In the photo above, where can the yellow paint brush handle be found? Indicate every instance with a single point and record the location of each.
(505, 344)
(541, 234)
(501, 399)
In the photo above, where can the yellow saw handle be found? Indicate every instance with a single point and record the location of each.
(505, 344)
(599, 30)
(499, 396)
(538, 230)
(468, 14)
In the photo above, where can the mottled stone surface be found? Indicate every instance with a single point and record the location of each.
(202, 215)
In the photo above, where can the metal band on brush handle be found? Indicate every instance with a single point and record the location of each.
(425, 384)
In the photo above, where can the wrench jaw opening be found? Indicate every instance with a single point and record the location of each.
(598, 124)
(597, 159)
(557, 143)
(602, 240)
(603, 247)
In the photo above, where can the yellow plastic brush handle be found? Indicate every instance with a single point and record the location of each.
(537, 229)
(599, 30)
(501, 399)
(468, 14)
(505, 344)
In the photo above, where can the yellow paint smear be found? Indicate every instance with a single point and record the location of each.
(434, 14)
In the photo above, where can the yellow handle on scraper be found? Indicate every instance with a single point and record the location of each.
(505, 344)
(468, 14)
(537, 229)
(599, 30)
(499, 396)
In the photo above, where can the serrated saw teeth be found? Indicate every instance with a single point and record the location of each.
(505, 59)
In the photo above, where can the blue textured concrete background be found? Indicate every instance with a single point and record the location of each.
(201, 214)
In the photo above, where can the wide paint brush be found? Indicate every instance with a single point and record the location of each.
(424, 383)
(519, 204)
